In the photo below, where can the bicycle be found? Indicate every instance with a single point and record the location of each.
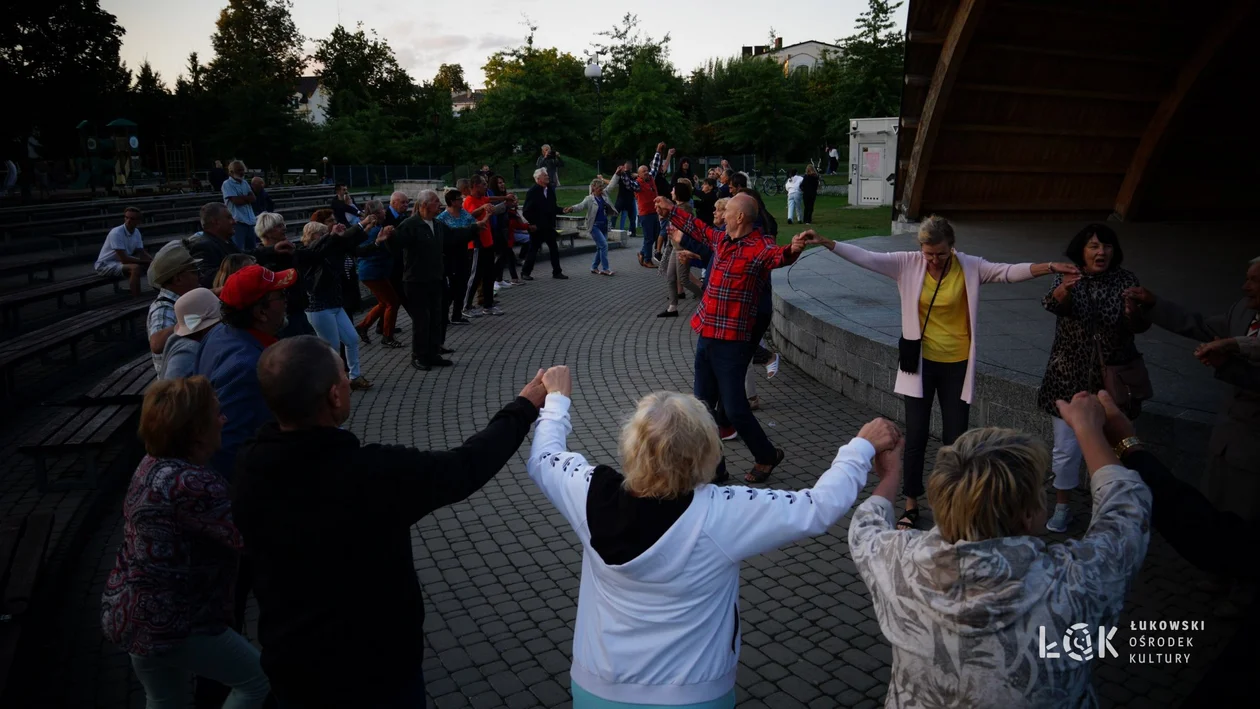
(818, 168)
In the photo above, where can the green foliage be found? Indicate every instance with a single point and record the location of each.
(59, 65)
(358, 71)
(533, 96)
(451, 78)
(761, 109)
(868, 77)
(623, 47)
(637, 116)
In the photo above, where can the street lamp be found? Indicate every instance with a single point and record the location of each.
(323, 177)
(593, 72)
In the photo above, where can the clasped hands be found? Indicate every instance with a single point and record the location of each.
(555, 380)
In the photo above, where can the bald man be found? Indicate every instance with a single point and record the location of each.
(742, 260)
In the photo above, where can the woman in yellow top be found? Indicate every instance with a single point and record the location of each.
(939, 290)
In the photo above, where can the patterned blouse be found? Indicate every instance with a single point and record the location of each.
(176, 569)
(965, 619)
(1095, 308)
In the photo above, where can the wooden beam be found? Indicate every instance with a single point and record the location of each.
(918, 80)
(1128, 200)
(1061, 93)
(1089, 12)
(1040, 131)
(909, 124)
(954, 49)
(1080, 54)
(1034, 169)
(1058, 205)
(921, 37)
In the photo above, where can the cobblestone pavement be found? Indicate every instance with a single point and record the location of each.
(500, 571)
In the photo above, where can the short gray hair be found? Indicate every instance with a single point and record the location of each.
(597, 183)
(1254, 261)
(267, 221)
(312, 231)
(373, 205)
(935, 230)
(232, 165)
(540, 172)
(426, 195)
(212, 211)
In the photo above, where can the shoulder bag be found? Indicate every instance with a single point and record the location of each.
(908, 350)
(1129, 384)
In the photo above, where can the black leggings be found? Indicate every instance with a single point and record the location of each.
(809, 206)
(945, 381)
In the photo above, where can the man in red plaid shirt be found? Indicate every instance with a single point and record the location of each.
(742, 260)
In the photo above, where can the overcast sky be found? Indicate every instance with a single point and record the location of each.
(428, 33)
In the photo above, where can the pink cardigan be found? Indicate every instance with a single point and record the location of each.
(907, 268)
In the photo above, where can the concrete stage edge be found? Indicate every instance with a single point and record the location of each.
(840, 324)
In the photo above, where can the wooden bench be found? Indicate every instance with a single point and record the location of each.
(68, 332)
(125, 385)
(32, 265)
(23, 545)
(81, 432)
(11, 303)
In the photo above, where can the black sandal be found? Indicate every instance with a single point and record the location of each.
(909, 520)
(756, 477)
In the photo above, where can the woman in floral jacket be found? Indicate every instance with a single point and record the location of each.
(168, 600)
(979, 611)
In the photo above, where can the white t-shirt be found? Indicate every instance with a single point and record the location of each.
(794, 184)
(119, 239)
(834, 153)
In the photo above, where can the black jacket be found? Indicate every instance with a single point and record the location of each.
(212, 250)
(541, 210)
(423, 251)
(327, 528)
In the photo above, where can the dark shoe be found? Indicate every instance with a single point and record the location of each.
(757, 477)
(668, 314)
(363, 335)
(560, 277)
(445, 350)
(461, 321)
(526, 277)
(390, 343)
(360, 384)
(439, 362)
(420, 365)
(398, 329)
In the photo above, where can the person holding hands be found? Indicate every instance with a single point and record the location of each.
(658, 607)
(961, 603)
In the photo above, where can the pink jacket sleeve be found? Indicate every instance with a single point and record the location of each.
(885, 264)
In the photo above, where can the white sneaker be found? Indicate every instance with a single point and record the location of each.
(1061, 519)
(502, 284)
(493, 310)
(474, 313)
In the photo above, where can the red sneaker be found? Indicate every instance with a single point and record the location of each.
(727, 433)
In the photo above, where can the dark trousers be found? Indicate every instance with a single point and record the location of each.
(537, 239)
(482, 275)
(809, 206)
(943, 380)
(760, 326)
(424, 305)
(651, 229)
(504, 257)
(458, 281)
(720, 367)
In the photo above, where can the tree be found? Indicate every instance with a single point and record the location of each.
(253, 77)
(870, 67)
(150, 103)
(533, 96)
(637, 117)
(451, 78)
(624, 46)
(61, 58)
(761, 109)
(360, 70)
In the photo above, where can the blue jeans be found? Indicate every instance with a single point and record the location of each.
(227, 658)
(651, 229)
(796, 207)
(409, 696)
(627, 216)
(334, 327)
(243, 236)
(601, 248)
(720, 368)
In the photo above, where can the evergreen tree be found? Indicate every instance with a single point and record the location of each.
(870, 68)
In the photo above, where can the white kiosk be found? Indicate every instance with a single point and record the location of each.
(872, 161)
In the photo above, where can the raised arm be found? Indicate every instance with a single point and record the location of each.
(747, 522)
(693, 227)
(885, 264)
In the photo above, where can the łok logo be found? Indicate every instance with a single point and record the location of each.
(1078, 643)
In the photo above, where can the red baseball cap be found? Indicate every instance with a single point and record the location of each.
(248, 285)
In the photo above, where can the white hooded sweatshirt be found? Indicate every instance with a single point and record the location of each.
(663, 627)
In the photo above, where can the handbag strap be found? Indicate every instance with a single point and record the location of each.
(932, 302)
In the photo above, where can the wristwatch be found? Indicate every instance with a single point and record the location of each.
(1127, 445)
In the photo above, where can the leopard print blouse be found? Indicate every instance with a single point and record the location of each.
(1095, 307)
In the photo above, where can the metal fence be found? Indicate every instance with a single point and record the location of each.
(377, 175)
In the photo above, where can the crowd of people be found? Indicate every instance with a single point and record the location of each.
(250, 483)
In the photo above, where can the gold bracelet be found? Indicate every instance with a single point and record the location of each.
(1127, 445)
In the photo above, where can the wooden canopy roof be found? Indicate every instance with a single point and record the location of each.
(1067, 109)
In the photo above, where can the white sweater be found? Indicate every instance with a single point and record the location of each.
(907, 268)
(663, 628)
